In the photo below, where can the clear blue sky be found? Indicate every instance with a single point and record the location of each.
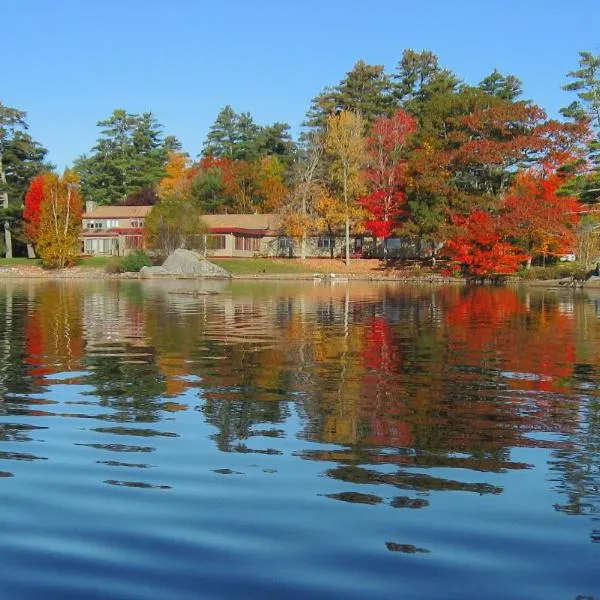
(70, 63)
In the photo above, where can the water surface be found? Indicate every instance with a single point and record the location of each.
(299, 440)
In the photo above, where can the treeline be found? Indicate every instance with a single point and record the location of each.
(475, 172)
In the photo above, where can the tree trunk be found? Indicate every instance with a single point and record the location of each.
(347, 241)
(30, 251)
(7, 240)
(4, 194)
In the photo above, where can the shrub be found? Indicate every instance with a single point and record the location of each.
(114, 265)
(132, 263)
(557, 271)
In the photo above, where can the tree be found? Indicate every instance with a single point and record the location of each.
(385, 172)
(130, 155)
(366, 90)
(419, 77)
(237, 137)
(507, 87)
(60, 220)
(175, 222)
(586, 109)
(207, 187)
(345, 146)
(33, 206)
(143, 197)
(587, 85)
(178, 176)
(298, 218)
(21, 158)
(479, 246)
(536, 218)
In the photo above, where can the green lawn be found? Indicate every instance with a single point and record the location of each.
(88, 261)
(11, 262)
(256, 266)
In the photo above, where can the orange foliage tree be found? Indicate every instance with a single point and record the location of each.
(60, 220)
(479, 246)
(540, 221)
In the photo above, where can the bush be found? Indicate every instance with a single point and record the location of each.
(114, 265)
(557, 271)
(132, 263)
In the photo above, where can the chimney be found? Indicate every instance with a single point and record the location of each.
(90, 206)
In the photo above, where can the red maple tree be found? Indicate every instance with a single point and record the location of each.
(540, 221)
(480, 248)
(31, 211)
(385, 172)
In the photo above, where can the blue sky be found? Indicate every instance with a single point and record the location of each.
(70, 63)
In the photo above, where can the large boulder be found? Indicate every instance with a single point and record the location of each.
(149, 272)
(186, 262)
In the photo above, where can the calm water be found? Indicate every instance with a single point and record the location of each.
(299, 441)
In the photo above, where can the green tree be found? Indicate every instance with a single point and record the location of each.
(237, 137)
(418, 77)
(507, 87)
(586, 83)
(130, 154)
(366, 90)
(174, 223)
(21, 158)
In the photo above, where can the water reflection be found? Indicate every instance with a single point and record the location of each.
(386, 390)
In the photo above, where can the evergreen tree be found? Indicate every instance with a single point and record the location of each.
(507, 87)
(21, 158)
(130, 155)
(366, 90)
(238, 137)
(586, 83)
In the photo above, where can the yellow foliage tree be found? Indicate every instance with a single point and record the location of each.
(345, 146)
(60, 220)
(178, 178)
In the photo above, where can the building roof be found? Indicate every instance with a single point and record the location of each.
(267, 223)
(117, 212)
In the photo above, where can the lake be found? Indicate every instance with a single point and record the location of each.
(298, 440)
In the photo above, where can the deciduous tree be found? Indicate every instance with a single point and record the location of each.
(385, 173)
(345, 145)
(479, 246)
(60, 220)
(536, 218)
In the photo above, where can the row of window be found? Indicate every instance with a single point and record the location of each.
(113, 223)
(324, 243)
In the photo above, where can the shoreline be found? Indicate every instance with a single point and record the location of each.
(95, 273)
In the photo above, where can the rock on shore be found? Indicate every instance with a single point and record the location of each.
(185, 263)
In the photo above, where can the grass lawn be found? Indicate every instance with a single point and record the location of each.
(17, 262)
(87, 261)
(256, 266)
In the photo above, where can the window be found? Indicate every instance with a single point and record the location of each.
(137, 223)
(247, 243)
(133, 242)
(327, 243)
(285, 243)
(215, 242)
(98, 246)
(110, 223)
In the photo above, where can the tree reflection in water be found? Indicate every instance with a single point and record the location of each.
(390, 387)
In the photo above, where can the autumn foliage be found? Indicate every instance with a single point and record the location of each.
(540, 221)
(32, 208)
(53, 210)
(480, 247)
